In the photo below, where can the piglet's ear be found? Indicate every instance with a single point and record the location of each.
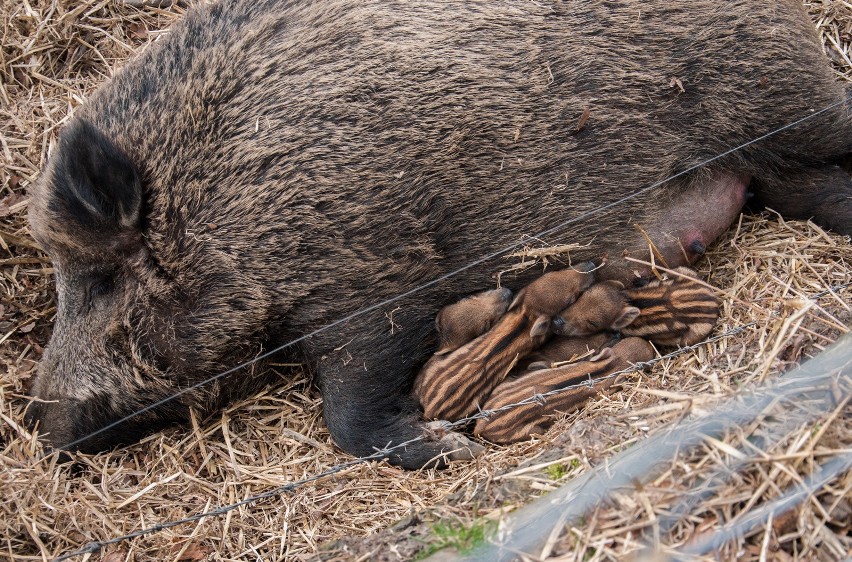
(540, 327)
(94, 183)
(628, 315)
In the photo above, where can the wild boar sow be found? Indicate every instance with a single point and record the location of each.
(270, 167)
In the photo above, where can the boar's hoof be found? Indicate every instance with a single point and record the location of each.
(455, 446)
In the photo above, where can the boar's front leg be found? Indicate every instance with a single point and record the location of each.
(366, 390)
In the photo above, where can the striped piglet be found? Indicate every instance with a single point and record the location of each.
(679, 310)
(454, 385)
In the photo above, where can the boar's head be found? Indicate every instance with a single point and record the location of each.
(133, 326)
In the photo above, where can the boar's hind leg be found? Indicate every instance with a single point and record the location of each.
(823, 194)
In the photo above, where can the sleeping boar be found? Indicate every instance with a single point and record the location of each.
(271, 167)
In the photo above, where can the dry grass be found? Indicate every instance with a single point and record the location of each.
(54, 53)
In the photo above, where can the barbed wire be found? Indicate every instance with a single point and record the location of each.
(835, 289)
(535, 398)
(453, 273)
(815, 382)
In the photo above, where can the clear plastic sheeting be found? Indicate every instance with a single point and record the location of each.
(824, 381)
(828, 471)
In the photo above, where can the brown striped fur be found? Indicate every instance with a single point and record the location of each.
(675, 311)
(453, 386)
(520, 422)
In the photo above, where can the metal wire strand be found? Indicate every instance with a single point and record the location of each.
(483, 259)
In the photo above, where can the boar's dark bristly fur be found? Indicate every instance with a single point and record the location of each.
(270, 167)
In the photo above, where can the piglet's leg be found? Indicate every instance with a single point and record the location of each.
(520, 422)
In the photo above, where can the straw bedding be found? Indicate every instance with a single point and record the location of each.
(55, 52)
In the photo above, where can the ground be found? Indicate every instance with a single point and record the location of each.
(55, 53)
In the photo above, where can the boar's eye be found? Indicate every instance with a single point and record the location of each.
(100, 287)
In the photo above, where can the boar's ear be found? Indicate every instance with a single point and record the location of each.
(628, 315)
(95, 186)
(540, 326)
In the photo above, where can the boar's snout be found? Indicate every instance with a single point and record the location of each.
(85, 425)
(60, 424)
